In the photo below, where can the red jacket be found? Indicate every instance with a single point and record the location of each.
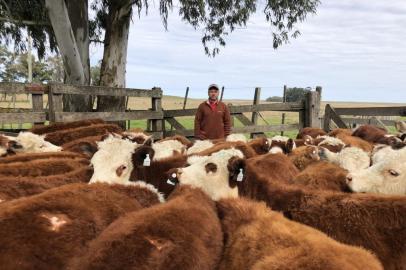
(212, 124)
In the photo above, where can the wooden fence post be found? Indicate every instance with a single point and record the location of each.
(157, 124)
(37, 97)
(312, 108)
(254, 119)
(285, 89)
(55, 103)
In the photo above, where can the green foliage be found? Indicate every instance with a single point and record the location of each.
(295, 94)
(21, 16)
(14, 68)
(215, 19)
(274, 99)
(95, 74)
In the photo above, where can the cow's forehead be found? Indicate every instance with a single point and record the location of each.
(115, 147)
(221, 157)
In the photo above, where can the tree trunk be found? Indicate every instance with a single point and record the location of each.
(68, 48)
(78, 16)
(113, 67)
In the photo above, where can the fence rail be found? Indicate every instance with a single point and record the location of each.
(340, 116)
(308, 109)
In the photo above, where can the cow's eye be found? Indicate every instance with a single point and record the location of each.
(393, 173)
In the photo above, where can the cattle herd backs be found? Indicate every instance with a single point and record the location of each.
(88, 195)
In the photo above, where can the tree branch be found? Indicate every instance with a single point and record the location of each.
(25, 22)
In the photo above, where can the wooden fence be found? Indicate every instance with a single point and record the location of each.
(344, 117)
(307, 109)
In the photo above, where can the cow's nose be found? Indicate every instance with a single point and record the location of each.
(349, 178)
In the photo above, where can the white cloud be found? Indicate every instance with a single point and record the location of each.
(355, 49)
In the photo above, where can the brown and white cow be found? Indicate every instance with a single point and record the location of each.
(339, 215)
(386, 176)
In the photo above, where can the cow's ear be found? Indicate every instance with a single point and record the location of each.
(149, 141)
(140, 154)
(88, 149)
(290, 144)
(236, 168)
(14, 145)
(105, 136)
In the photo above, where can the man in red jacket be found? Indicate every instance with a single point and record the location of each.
(212, 120)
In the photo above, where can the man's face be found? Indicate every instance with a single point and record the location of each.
(213, 94)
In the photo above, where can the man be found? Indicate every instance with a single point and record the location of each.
(212, 120)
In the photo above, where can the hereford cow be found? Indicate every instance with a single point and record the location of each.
(46, 231)
(350, 158)
(387, 175)
(27, 142)
(312, 132)
(375, 135)
(122, 161)
(339, 215)
(184, 233)
(258, 238)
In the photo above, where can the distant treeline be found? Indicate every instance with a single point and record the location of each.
(292, 95)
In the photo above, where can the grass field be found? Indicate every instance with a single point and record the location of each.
(173, 102)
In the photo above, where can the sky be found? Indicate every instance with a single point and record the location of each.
(354, 49)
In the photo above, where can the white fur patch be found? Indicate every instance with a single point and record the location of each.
(199, 146)
(113, 152)
(215, 184)
(350, 158)
(165, 149)
(386, 176)
(3, 151)
(236, 138)
(330, 141)
(132, 135)
(151, 188)
(56, 221)
(276, 150)
(279, 138)
(33, 143)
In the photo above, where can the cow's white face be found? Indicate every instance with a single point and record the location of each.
(166, 149)
(112, 163)
(210, 173)
(381, 152)
(387, 176)
(33, 143)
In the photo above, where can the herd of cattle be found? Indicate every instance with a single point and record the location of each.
(88, 195)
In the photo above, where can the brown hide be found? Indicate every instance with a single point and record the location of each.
(45, 231)
(258, 238)
(43, 129)
(183, 233)
(156, 173)
(324, 176)
(68, 135)
(375, 222)
(312, 132)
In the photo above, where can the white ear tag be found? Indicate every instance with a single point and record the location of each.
(147, 161)
(170, 182)
(240, 176)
